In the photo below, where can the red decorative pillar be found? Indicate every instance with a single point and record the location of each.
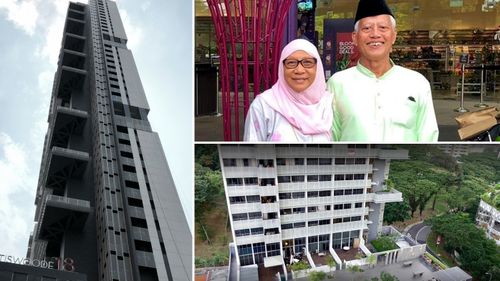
(249, 35)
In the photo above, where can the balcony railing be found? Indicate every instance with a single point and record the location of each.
(388, 196)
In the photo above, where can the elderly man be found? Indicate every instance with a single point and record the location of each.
(378, 101)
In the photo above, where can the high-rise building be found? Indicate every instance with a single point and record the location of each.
(106, 203)
(289, 199)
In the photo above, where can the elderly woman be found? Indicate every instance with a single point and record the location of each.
(297, 108)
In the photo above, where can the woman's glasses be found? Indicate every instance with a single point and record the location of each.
(306, 63)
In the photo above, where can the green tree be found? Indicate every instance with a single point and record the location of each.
(384, 276)
(317, 276)
(396, 211)
(477, 253)
(354, 269)
(207, 155)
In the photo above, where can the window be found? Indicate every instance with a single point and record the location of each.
(358, 205)
(312, 161)
(229, 162)
(359, 176)
(126, 154)
(250, 181)
(287, 226)
(297, 195)
(312, 209)
(312, 223)
(234, 181)
(347, 206)
(349, 177)
(246, 162)
(122, 141)
(242, 232)
(338, 207)
(122, 129)
(257, 231)
(325, 193)
(360, 161)
(132, 184)
(324, 222)
(325, 161)
(282, 179)
(339, 177)
(357, 191)
(284, 196)
(128, 168)
(237, 199)
(339, 161)
(143, 246)
(298, 178)
(281, 161)
(299, 210)
(118, 108)
(339, 192)
(299, 224)
(253, 198)
(139, 222)
(348, 192)
(134, 202)
(325, 177)
(311, 194)
(312, 178)
(240, 217)
(254, 215)
(299, 161)
(134, 112)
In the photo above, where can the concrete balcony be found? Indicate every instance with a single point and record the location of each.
(74, 42)
(66, 122)
(348, 226)
(294, 218)
(396, 154)
(63, 164)
(271, 223)
(247, 224)
(242, 190)
(272, 238)
(268, 190)
(294, 233)
(270, 207)
(72, 59)
(75, 26)
(245, 208)
(71, 80)
(60, 214)
(387, 197)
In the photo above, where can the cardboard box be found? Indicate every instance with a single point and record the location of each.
(476, 128)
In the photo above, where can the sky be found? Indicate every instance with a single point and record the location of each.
(160, 37)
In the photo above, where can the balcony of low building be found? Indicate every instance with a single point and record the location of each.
(63, 165)
(387, 196)
(75, 26)
(65, 123)
(60, 214)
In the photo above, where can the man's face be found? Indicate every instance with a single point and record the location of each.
(375, 37)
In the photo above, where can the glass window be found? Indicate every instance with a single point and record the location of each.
(298, 178)
(242, 232)
(312, 161)
(254, 215)
(325, 177)
(299, 161)
(298, 195)
(339, 161)
(339, 177)
(312, 178)
(283, 179)
(250, 181)
(234, 181)
(229, 162)
(253, 198)
(325, 161)
(283, 196)
(240, 217)
(237, 199)
(281, 161)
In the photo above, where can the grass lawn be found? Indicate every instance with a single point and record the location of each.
(439, 250)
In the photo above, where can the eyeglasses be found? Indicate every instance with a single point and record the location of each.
(306, 63)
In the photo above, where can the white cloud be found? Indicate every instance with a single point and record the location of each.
(23, 13)
(133, 31)
(145, 6)
(17, 181)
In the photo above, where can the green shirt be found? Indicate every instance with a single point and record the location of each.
(396, 107)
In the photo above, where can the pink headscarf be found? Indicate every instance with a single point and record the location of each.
(309, 110)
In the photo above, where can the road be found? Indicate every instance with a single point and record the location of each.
(419, 232)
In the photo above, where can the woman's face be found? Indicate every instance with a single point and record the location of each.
(300, 77)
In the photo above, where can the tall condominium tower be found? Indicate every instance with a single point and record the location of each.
(289, 199)
(106, 204)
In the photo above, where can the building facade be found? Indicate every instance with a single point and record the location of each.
(488, 217)
(106, 202)
(289, 199)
